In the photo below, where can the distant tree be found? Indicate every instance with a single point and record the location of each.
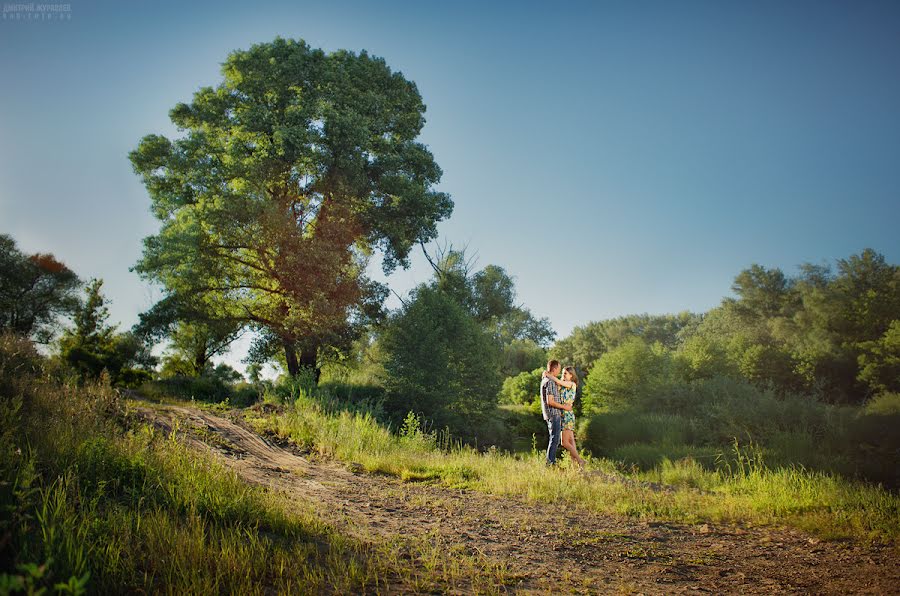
(35, 292)
(762, 293)
(867, 292)
(489, 296)
(94, 345)
(587, 343)
(523, 388)
(521, 355)
(194, 338)
(292, 171)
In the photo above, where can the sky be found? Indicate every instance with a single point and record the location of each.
(615, 157)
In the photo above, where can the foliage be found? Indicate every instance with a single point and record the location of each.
(194, 337)
(292, 170)
(35, 290)
(523, 389)
(440, 363)
(521, 355)
(94, 346)
(879, 360)
(629, 375)
(587, 343)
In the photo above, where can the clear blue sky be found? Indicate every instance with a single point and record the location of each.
(669, 144)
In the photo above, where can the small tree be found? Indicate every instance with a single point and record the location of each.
(94, 346)
(524, 388)
(628, 375)
(440, 363)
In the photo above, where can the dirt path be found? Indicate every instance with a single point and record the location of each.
(547, 547)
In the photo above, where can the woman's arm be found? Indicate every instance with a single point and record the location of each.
(566, 384)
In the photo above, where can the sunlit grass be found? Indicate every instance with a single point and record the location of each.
(742, 491)
(97, 501)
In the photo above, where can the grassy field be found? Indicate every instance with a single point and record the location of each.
(744, 490)
(96, 501)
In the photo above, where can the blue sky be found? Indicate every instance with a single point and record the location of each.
(667, 145)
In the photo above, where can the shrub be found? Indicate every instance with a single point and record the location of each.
(203, 388)
(440, 363)
(628, 376)
(602, 433)
(522, 389)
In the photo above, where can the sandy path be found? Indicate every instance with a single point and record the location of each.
(546, 546)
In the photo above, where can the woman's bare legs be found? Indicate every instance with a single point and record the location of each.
(568, 442)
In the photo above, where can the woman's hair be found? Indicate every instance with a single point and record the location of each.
(571, 371)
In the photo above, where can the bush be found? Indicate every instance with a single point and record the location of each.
(884, 404)
(440, 363)
(603, 433)
(873, 435)
(522, 389)
(630, 375)
(187, 388)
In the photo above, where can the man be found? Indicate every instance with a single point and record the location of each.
(551, 409)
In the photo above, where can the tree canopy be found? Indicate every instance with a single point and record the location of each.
(290, 173)
(35, 291)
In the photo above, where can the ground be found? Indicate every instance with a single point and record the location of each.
(543, 547)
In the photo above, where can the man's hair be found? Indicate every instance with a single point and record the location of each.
(551, 364)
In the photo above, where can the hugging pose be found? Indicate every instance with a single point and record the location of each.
(557, 399)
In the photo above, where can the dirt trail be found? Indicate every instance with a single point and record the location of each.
(548, 547)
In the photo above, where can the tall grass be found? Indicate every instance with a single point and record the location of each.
(94, 501)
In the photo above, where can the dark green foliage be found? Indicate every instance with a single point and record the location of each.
(522, 355)
(203, 388)
(94, 346)
(440, 363)
(35, 291)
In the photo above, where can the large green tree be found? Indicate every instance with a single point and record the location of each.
(35, 291)
(290, 173)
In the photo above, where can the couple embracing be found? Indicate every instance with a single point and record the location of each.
(557, 399)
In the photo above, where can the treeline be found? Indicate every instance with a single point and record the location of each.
(805, 369)
(834, 334)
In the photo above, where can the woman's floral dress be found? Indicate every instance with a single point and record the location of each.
(567, 396)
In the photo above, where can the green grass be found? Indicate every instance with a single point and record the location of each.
(741, 490)
(95, 501)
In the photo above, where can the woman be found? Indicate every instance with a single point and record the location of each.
(569, 385)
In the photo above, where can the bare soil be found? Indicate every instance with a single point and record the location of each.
(546, 547)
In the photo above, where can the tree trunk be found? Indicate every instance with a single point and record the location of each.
(200, 360)
(309, 358)
(290, 355)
